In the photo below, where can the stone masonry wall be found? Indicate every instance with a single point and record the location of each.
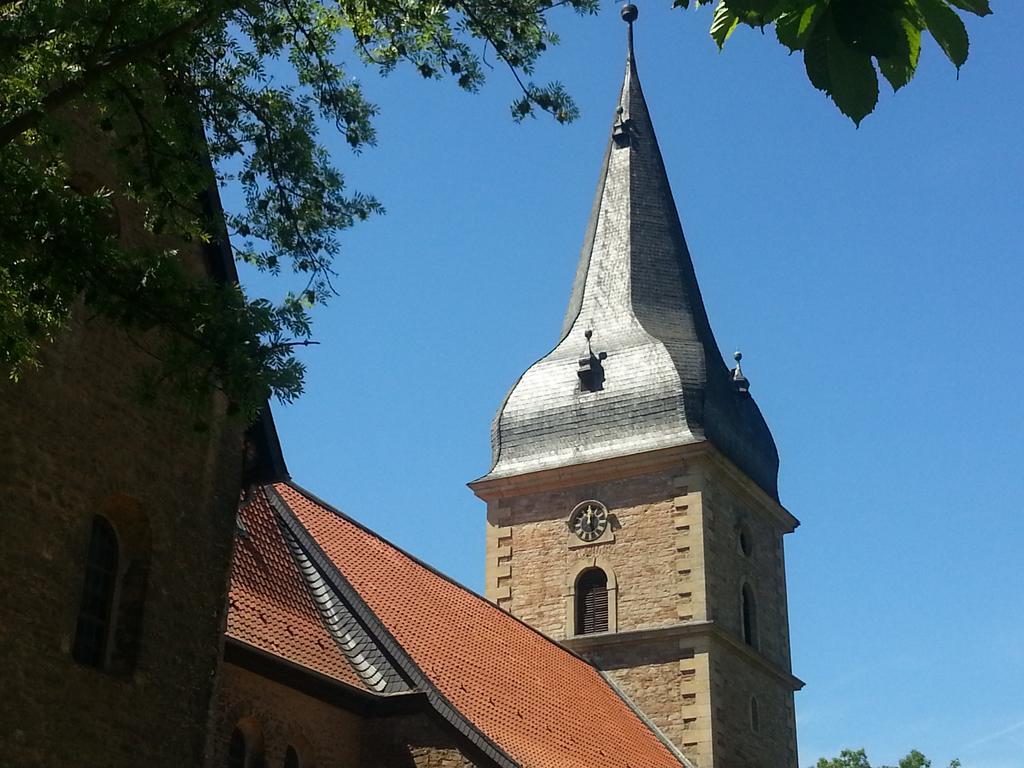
(76, 443)
(324, 735)
(674, 564)
(727, 512)
(669, 681)
(413, 741)
(655, 554)
(533, 557)
(275, 716)
(735, 681)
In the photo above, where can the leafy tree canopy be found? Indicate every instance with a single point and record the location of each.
(846, 43)
(177, 93)
(175, 89)
(857, 758)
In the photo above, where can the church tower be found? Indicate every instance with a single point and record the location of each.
(632, 506)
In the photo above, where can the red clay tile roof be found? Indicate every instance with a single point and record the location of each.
(269, 605)
(539, 704)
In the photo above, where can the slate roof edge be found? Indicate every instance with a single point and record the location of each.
(367, 663)
(377, 628)
(316, 684)
(263, 459)
(498, 486)
(646, 720)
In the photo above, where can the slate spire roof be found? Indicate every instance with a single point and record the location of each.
(650, 374)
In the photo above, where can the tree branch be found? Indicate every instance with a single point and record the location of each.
(66, 93)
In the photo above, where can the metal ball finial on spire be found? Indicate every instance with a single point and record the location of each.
(738, 379)
(629, 13)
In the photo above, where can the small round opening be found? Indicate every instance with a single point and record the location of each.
(745, 542)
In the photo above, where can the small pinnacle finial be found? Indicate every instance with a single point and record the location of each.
(629, 13)
(738, 379)
(590, 370)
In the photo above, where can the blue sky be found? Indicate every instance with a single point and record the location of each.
(872, 277)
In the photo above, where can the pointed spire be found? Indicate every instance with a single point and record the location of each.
(663, 380)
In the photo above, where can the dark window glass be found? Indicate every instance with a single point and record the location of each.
(92, 632)
(291, 758)
(755, 717)
(237, 751)
(749, 610)
(592, 602)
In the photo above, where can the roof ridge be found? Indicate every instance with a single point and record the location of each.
(313, 497)
(441, 704)
(370, 664)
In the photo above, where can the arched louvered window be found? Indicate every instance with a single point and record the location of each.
(748, 609)
(291, 758)
(592, 602)
(95, 612)
(237, 750)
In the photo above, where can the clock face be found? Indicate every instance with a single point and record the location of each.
(589, 520)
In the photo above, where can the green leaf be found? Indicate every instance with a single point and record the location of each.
(978, 7)
(854, 84)
(947, 29)
(723, 23)
(899, 70)
(794, 28)
(756, 12)
(872, 27)
(844, 73)
(816, 58)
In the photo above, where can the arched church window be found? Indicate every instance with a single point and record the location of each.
(755, 716)
(95, 611)
(748, 610)
(592, 602)
(246, 747)
(291, 758)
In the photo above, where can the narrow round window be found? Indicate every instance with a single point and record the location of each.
(748, 615)
(744, 541)
(592, 602)
(755, 715)
(291, 758)
(95, 611)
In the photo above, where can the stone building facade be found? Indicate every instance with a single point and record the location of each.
(178, 601)
(632, 508)
(126, 681)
